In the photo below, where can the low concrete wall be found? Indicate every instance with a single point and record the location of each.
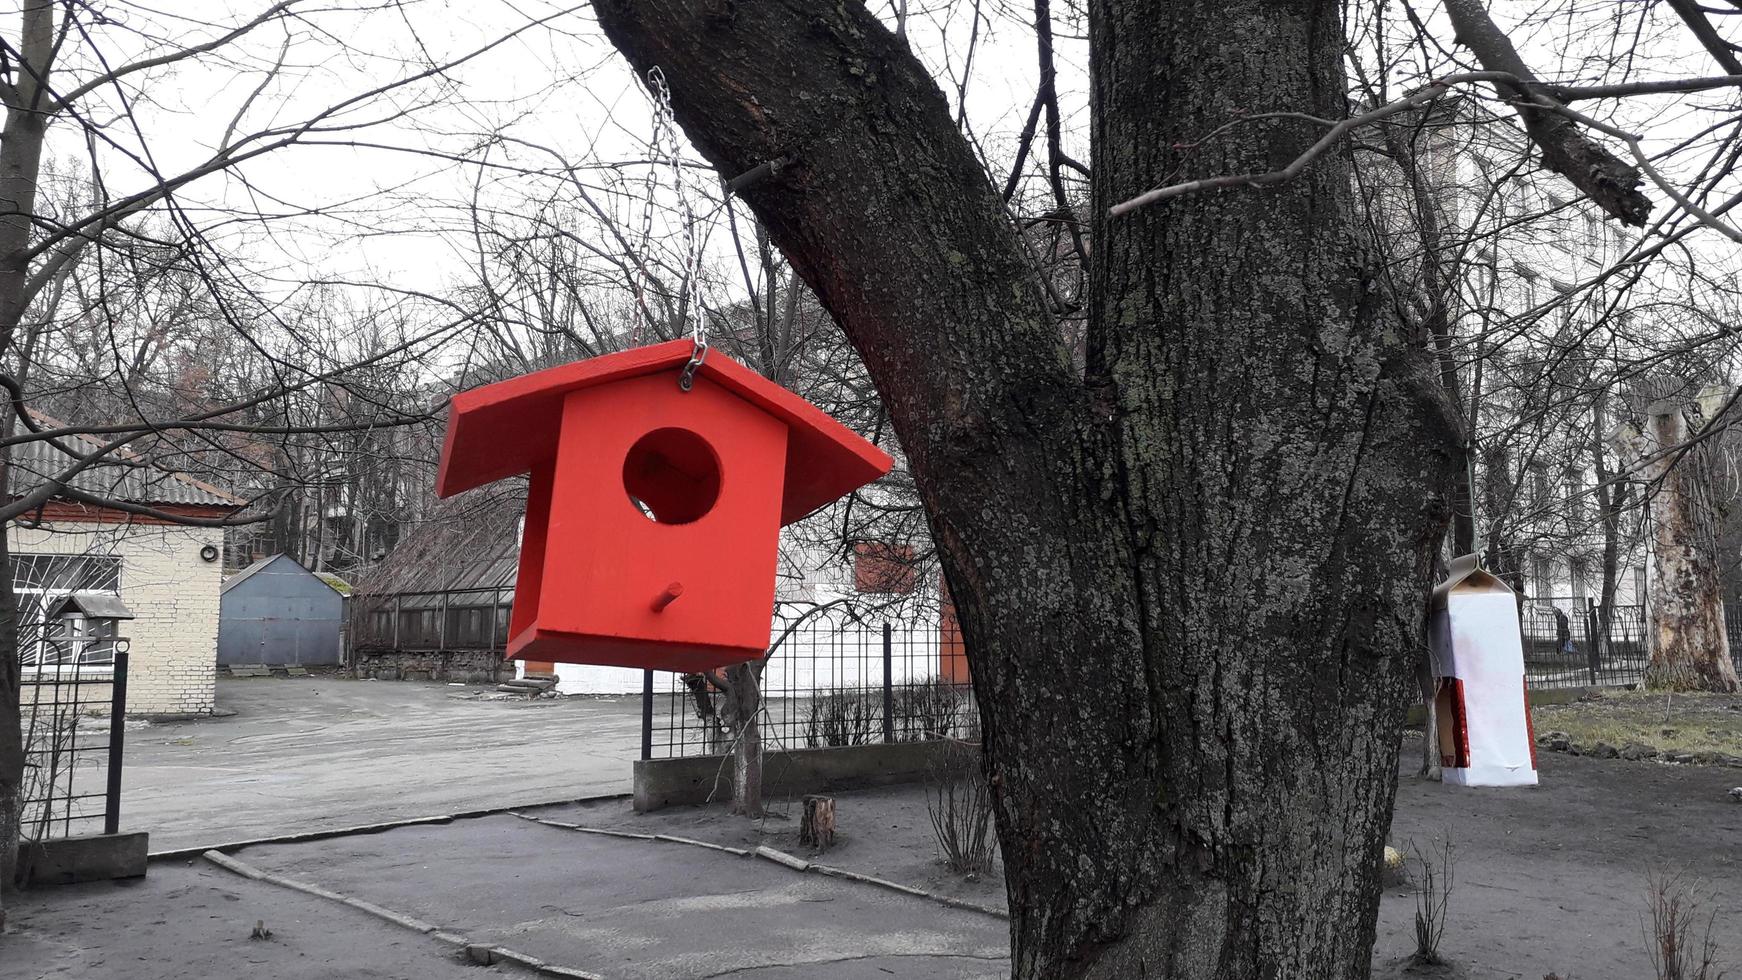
(93, 857)
(668, 782)
(472, 666)
(1549, 695)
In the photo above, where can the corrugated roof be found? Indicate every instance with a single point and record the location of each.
(124, 476)
(470, 541)
(329, 580)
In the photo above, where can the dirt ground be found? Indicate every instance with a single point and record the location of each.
(192, 920)
(1548, 880)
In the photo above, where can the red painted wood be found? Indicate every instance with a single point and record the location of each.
(502, 430)
(653, 514)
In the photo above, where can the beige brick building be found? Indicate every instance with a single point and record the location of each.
(116, 533)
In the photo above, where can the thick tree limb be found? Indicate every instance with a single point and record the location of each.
(1605, 178)
(1339, 130)
(1722, 51)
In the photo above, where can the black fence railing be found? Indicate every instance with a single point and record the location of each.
(1569, 642)
(835, 680)
(72, 755)
(831, 680)
(1572, 642)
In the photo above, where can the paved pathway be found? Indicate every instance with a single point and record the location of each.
(632, 909)
(320, 753)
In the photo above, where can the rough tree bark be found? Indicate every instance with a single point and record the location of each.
(20, 163)
(1690, 650)
(1193, 582)
(742, 707)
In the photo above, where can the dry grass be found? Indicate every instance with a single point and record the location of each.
(1671, 723)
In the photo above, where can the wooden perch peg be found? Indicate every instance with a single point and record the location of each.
(667, 597)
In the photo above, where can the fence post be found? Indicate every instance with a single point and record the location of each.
(1593, 639)
(396, 611)
(888, 683)
(117, 743)
(647, 714)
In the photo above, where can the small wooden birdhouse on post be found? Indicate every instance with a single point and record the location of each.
(653, 515)
(84, 628)
(1481, 705)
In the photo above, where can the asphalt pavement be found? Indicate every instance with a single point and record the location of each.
(323, 753)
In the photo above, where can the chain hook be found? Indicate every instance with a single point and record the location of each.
(686, 378)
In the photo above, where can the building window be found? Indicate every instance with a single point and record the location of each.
(1579, 570)
(1539, 485)
(40, 580)
(881, 568)
(1542, 577)
(1575, 498)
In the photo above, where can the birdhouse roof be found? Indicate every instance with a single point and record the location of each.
(91, 605)
(504, 429)
(1466, 575)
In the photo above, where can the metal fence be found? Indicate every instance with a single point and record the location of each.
(72, 756)
(834, 680)
(1570, 642)
(831, 680)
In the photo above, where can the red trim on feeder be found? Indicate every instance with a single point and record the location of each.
(1529, 723)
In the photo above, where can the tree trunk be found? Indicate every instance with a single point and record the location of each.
(1193, 582)
(20, 169)
(1611, 501)
(743, 715)
(1691, 651)
(11, 727)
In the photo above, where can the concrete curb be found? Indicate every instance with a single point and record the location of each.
(785, 860)
(376, 828)
(486, 954)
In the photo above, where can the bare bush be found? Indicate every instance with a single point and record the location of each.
(959, 802)
(1432, 899)
(1677, 935)
(843, 718)
(932, 709)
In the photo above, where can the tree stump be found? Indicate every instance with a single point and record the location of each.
(817, 827)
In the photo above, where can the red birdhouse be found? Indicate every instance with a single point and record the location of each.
(653, 516)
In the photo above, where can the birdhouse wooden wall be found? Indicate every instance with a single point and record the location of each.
(660, 488)
(653, 514)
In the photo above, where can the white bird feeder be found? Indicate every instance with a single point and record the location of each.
(1481, 705)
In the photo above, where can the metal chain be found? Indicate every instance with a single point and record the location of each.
(665, 147)
(643, 314)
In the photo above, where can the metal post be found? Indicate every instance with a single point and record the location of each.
(442, 626)
(117, 742)
(396, 622)
(495, 608)
(647, 714)
(888, 683)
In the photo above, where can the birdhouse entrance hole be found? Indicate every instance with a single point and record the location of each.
(672, 476)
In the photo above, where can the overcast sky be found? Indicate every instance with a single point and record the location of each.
(557, 94)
